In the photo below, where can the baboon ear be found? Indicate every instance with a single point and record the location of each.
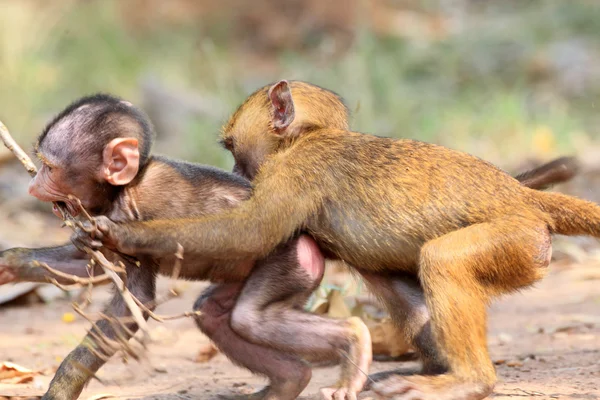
(120, 161)
(280, 95)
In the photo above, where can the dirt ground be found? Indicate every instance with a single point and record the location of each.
(546, 342)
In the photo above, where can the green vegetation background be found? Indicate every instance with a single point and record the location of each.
(515, 79)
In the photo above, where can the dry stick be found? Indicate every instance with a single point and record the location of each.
(136, 313)
(173, 292)
(107, 345)
(77, 281)
(87, 300)
(107, 266)
(111, 273)
(10, 144)
(177, 268)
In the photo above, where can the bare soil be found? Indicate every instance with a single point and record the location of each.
(546, 342)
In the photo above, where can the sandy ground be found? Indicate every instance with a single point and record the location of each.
(546, 342)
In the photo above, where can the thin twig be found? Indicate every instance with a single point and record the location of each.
(66, 288)
(107, 266)
(136, 313)
(107, 345)
(175, 291)
(87, 297)
(123, 321)
(10, 144)
(111, 273)
(347, 356)
(78, 281)
(186, 314)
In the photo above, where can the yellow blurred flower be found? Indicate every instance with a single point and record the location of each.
(543, 140)
(68, 317)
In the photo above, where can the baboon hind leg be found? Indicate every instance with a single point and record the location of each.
(460, 273)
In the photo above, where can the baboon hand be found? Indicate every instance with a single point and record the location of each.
(7, 274)
(100, 232)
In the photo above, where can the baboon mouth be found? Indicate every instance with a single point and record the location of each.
(74, 211)
(56, 208)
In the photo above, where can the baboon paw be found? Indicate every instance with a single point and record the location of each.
(438, 387)
(397, 388)
(337, 393)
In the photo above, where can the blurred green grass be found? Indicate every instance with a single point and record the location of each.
(484, 90)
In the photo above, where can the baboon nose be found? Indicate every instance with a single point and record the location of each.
(33, 191)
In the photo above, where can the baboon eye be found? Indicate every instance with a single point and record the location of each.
(227, 143)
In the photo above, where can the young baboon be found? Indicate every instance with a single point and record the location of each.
(446, 230)
(98, 149)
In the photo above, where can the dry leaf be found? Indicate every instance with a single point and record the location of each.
(386, 339)
(332, 305)
(337, 305)
(14, 374)
(21, 398)
(26, 378)
(8, 370)
(320, 307)
(359, 311)
(206, 352)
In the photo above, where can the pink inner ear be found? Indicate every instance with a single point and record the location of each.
(283, 105)
(121, 161)
(277, 94)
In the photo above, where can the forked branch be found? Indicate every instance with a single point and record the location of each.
(111, 272)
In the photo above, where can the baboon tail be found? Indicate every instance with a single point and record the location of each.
(571, 216)
(561, 170)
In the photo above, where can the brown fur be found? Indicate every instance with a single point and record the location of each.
(265, 331)
(464, 229)
(152, 201)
